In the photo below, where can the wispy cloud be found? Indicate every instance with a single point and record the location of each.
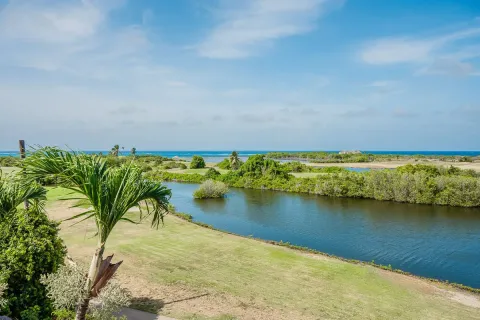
(449, 67)
(411, 49)
(360, 113)
(73, 37)
(403, 113)
(244, 31)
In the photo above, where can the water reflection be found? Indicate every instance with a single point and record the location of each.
(433, 241)
(215, 206)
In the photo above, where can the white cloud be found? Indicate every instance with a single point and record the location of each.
(60, 23)
(449, 67)
(247, 30)
(411, 50)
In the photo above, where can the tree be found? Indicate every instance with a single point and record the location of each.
(234, 161)
(29, 247)
(111, 192)
(115, 150)
(133, 151)
(197, 162)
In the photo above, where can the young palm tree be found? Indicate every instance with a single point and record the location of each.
(234, 160)
(111, 192)
(133, 151)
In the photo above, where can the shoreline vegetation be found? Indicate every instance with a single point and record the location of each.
(358, 157)
(418, 183)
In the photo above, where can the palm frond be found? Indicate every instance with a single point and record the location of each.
(110, 192)
(14, 192)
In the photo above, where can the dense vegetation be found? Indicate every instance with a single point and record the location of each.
(333, 157)
(197, 162)
(29, 247)
(211, 189)
(423, 184)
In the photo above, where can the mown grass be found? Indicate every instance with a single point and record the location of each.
(181, 253)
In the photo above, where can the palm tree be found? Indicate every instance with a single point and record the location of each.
(234, 160)
(115, 150)
(133, 151)
(111, 192)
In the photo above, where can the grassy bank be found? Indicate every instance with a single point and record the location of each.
(191, 272)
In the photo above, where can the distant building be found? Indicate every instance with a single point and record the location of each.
(351, 152)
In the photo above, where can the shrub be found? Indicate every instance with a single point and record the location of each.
(66, 286)
(211, 189)
(174, 164)
(224, 164)
(197, 162)
(29, 247)
(211, 173)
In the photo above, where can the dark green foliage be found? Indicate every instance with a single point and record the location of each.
(211, 173)
(174, 164)
(224, 164)
(258, 165)
(295, 166)
(29, 247)
(197, 162)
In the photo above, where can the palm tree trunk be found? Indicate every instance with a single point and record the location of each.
(82, 307)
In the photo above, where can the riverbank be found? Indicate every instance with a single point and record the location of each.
(189, 272)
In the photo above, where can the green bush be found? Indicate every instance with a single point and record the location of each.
(197, 162)
(224, 164)
(211, 189)
(29, 247)
(174, 164)
(211, 173)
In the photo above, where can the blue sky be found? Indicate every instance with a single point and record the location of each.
(249, 74)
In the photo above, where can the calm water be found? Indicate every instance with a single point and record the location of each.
(436, 242)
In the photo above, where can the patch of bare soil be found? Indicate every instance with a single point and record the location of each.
(177, 300)
(457, 295)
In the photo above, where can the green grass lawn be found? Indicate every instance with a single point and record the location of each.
(266, 278)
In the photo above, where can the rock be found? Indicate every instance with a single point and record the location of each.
(4, 318)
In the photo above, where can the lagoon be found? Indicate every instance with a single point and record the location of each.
(430, 241)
